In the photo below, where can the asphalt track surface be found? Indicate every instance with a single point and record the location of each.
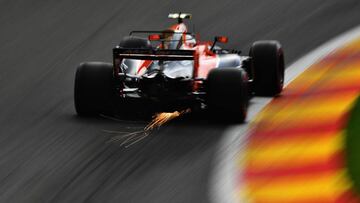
(48, 154)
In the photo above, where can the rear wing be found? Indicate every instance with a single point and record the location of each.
(152, 54)
(160, 32)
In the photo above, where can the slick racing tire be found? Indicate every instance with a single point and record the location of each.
(93, 92)
(227, 94)
(268, 63)
(135, 42)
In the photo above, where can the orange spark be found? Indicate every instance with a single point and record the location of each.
(129, 138)
(162, 118)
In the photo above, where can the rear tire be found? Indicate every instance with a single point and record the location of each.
(227, 94)
(93, 92)
(135, 42)
(268, 63)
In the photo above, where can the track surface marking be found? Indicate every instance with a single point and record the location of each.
(295, 151)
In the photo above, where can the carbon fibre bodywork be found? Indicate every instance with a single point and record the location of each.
(175, 79)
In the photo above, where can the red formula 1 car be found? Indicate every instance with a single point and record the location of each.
(171, 70)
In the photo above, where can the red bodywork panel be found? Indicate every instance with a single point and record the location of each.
(205, 59)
